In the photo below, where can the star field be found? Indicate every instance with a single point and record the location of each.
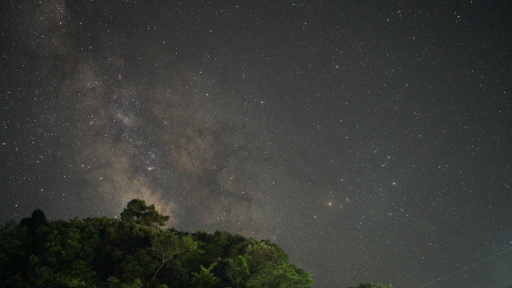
(369, 139)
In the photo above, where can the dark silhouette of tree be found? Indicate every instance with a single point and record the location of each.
(37, 219)
(138, 212)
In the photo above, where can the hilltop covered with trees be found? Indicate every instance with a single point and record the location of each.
(135, 251)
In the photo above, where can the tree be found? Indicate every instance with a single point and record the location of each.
(138, 212)
(133, 253)
(269, 267)
(167, 244)
(238, 270)
(205, 277)
(37, 219)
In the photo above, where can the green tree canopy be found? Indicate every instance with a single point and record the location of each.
(135, 252)
(204, 278)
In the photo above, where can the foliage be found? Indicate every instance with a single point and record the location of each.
(137, 211)
(204, 278)
(135, 252)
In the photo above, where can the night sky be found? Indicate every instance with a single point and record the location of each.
(372, 140)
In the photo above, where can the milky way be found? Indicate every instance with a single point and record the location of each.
(370, 140)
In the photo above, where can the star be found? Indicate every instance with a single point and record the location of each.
(241, 118)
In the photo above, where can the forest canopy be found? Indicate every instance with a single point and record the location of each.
(135, 251)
